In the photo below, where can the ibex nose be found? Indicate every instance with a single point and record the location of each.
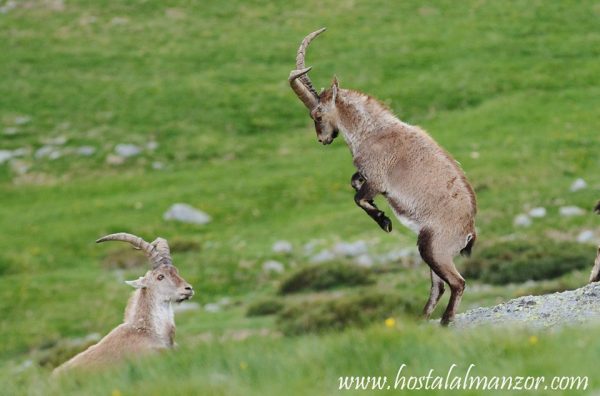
(189, 288)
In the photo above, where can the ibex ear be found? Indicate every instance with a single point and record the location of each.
(139, 283)
(334, 88)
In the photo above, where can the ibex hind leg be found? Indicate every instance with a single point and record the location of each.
(435, 294)
(595, 275)
(437, 254)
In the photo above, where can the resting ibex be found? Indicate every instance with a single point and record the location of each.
(425, 187)
(148, 324)
(595, 275)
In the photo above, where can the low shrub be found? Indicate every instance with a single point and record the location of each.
(356, 310)
(264, 307)
(325, 276)
(523, 260)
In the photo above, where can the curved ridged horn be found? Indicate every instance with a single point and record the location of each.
(299, 80)
(158, 251)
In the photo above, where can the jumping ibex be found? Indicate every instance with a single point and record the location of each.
(425, 187)
(148, 324)
(595, 275)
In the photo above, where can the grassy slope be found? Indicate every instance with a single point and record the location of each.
(517, 83)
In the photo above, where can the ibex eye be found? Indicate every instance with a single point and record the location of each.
(160, 277)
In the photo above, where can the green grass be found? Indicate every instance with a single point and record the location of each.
(517, 82)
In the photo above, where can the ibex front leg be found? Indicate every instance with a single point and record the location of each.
(364, 198)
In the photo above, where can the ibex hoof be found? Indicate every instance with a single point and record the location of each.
(385, 223)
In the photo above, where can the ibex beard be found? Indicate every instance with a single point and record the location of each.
(149, 323)
(425, 187)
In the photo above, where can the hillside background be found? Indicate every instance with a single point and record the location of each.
(111, 112)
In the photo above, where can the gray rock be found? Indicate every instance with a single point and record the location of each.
(212, 307)
(570, 211)
(186, 214)
(116, 21)
(152, 145)
(311, 245)
(350, 249)
(522, 220)
(20, 167)
(85, 151)
(186, 306)
(282, 247)
(55, 141)
(364, 260)
(5, 155)
(127, 150)
(572, 307)
(8, 6)
(322, 257)
(585, 236)
(11, 130)
(49, 152)
(578, 184)
(112, 159)
(398, 255)
(537, 212)
(156, 165)
(22, 120)
(273, 266)
(21, 152)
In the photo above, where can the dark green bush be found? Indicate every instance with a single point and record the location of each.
(264, 307)
(182, 245)
(347, 311)
(325, 276)
(519, 261)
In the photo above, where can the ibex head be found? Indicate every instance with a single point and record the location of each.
(163, 280)
(321, 106)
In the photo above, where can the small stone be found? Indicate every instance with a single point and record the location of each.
(364, 260)
(186, 214)
(322, 256)
(50, 152)
(112, 159)
(273, 266)
(578, 184)
(569, 211)
(537, 212)
(350, 249)
(156, 165)
(475, 154)
(55, 141)
(212, 307)
(21, 152)
(282, 247)
(152, 145)
(8, 6)
(585, 236)
(22, 120)
(311, 245)
(19, 167)
(11, 130)
(85, 151)
(5, 155)
(119, 21)
(186, 306)
(522, 220)
(127, 150)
